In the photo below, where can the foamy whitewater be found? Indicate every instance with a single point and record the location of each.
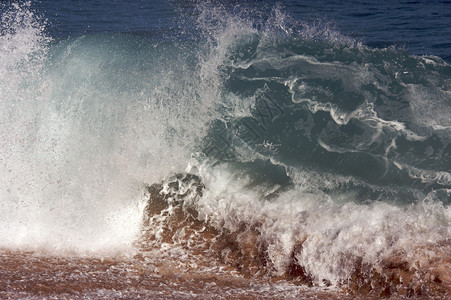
(270, 149)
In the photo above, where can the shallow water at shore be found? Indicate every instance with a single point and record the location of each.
(36, 276)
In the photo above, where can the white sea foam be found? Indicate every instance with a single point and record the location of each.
(334, 235)
(427, 176)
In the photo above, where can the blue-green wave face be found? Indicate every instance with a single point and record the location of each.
(377, 117)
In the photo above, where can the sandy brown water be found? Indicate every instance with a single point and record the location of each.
(179, 274)
(31, 275)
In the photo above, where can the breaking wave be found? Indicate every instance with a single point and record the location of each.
(278, 148)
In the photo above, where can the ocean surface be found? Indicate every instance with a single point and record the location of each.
(225, 149)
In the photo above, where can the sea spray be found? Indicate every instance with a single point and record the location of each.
(89, 121)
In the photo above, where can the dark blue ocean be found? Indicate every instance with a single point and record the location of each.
(419, 27)
(264, 148)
